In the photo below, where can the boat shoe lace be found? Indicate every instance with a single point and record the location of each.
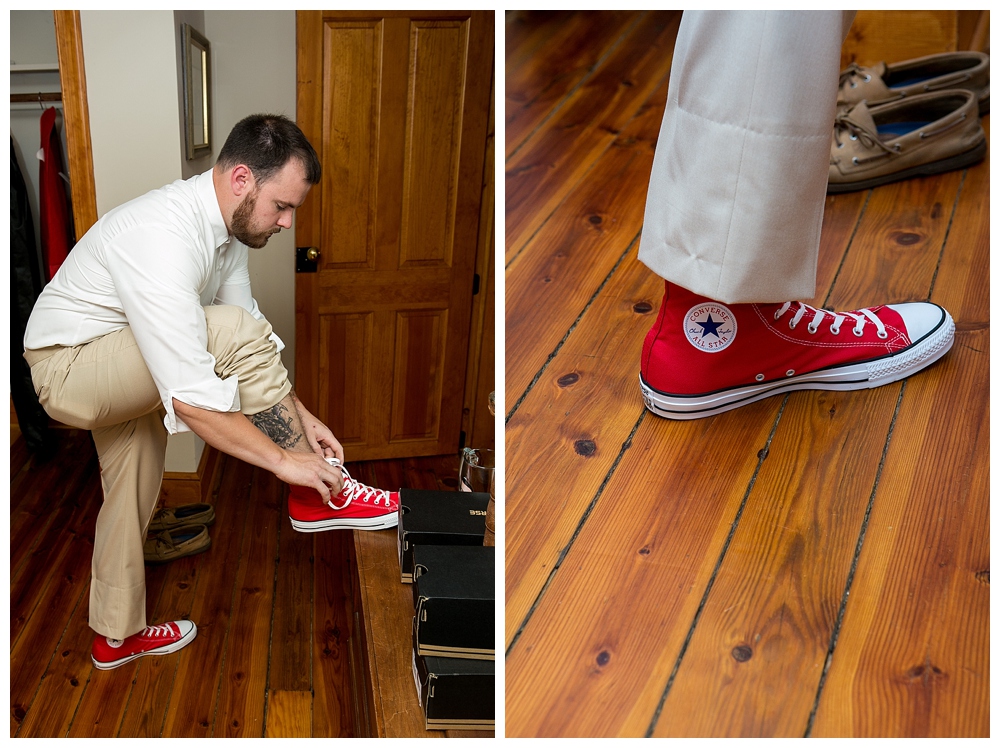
(860, 317)
(850, 76)
(845, 127)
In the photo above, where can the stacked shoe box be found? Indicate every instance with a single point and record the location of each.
(441, 552)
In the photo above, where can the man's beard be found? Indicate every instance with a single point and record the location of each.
(241, 223)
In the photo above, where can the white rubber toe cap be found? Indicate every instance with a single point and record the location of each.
(921, 318)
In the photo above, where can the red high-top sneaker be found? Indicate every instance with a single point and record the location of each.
(110, 653)
(357, 506)
(702, 357)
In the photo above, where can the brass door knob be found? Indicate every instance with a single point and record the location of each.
(312, 254)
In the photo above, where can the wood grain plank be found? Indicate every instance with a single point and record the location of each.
(544, 170)
(756, 657)
(291, 647)
(244, 671)
(526, 31)
(895, 251)
(640, 563)
(192, 708)
(551, 61)
(565, 436)
(912, 659)
(61, 587)
(963, 282)
(913, 654)
(332, 626)
(64, 679)
(289, 714)
(47, 490)
(20, 455)
(574, 251)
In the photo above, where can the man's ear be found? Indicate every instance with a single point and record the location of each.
(241, 180)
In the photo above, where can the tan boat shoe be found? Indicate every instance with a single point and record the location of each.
(913, 137)
(883, 83)
(175, 543)
(182, 516)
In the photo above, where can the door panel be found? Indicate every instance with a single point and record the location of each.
(397, 104)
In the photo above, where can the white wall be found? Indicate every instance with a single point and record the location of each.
(253, 68)
(131, 66)
(130, 60)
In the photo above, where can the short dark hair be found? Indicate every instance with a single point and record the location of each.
(265, 142)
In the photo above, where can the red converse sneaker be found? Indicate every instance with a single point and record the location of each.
(153, 640)
(702, 357)
(357, 506)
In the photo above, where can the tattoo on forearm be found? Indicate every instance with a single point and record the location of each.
(277, 424)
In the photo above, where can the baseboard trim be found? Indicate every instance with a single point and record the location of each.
(190, 488)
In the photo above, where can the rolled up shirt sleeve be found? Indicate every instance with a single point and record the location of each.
(158, 286)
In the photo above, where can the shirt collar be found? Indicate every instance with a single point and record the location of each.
(205, 189)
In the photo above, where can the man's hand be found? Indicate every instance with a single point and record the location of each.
(321, 439)
(305, 469)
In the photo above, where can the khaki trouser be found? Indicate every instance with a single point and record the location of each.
(738, 185)
(104, 386)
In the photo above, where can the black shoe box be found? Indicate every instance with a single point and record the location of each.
(453, 596)
(456, 694)
(438, 518)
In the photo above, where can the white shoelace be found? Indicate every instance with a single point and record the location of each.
(354, 490)
(860, 318)
(164, 630)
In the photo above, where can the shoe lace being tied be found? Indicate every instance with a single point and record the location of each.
(860, 317)
(355, 490)
(843, 125)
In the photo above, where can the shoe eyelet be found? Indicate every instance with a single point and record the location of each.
(854, 85)
(840, 145)
(883, 335)
(790, 373)
(791, 325)
(759, 377)
(868, 79)
(812, 330)
(855, 161)
(853, 136)
(835, 330)
(858, 333)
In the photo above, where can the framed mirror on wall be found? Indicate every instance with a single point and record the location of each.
(197, 92)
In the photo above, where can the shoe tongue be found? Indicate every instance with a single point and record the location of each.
(863, 116)
(879, 69)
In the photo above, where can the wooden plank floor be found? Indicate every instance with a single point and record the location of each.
(810, 565)
(270, 658)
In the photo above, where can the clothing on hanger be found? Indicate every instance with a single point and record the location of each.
(53, 204)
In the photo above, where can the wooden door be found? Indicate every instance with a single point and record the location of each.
(397, 106)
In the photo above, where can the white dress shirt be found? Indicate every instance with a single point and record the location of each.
(152, 264)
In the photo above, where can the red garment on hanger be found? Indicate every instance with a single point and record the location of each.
(53, 208)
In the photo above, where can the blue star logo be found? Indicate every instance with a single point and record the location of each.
(710, 327)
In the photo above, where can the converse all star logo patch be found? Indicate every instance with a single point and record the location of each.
(115, 643)
(710, 327)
